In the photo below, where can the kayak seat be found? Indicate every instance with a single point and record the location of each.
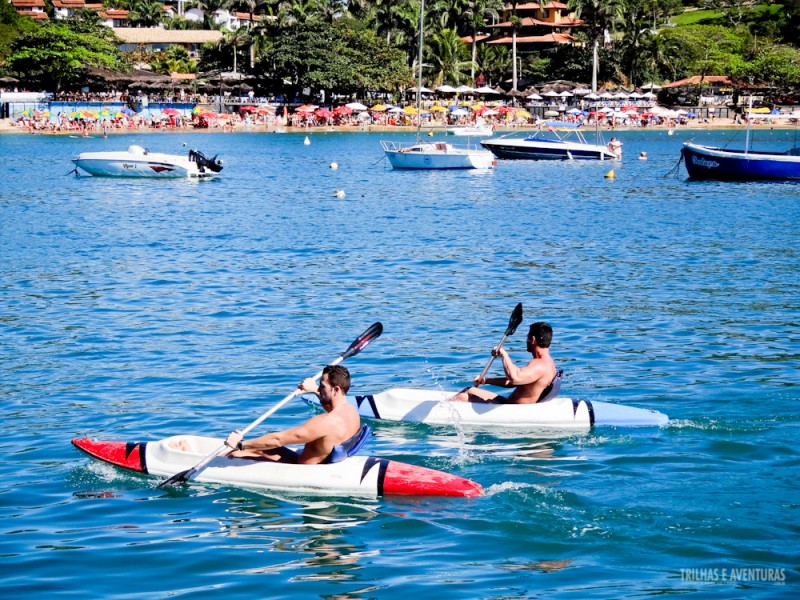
(349, 447)
(552, 390)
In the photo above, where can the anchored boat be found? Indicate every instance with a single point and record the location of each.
(434, 408)
(555, 140)
(353, 476)
(140, 162)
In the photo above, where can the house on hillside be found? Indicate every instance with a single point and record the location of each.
(541, 27)
(34, 9)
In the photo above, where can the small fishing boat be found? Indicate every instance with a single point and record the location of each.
(437, 155)
(140, 162)
(354, 476)
(555, 140)
(434, 408)
(711, 162)
(433, 155)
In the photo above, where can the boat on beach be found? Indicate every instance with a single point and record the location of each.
(554, 140)
(140, 162)
(354, 476)
(433, 407)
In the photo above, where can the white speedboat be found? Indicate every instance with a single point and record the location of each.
(140, 162)
(353, 476)
(434, 408)
(437, 155)
(552, 141)
(470, 130)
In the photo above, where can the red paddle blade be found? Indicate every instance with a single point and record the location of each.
(374, 331)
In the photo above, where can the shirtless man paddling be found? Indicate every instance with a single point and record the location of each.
(532, 383)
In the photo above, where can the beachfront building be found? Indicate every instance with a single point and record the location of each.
(541, 27)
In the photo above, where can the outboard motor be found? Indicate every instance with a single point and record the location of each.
(212, 164)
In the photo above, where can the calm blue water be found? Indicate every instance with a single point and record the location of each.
(135, 310)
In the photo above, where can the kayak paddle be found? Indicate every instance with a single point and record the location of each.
(357, 346)
(513, 323)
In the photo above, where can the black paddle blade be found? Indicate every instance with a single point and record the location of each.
(374, 331)
(515, 320)
(177, 478)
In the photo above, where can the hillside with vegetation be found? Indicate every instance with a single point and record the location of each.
(361, 46)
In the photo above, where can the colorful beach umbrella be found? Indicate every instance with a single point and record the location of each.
(172, 112)
(379, 108)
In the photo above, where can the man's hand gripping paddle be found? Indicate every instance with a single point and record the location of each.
(357, 346)
(513, 323)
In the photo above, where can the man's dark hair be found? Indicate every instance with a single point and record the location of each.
(543, 334)
(338, 376)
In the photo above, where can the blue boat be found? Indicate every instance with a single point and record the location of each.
(709, 162)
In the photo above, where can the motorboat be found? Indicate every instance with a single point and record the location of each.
(430, 154)
(354, 476)
(434, 407)
(554, 140)
(711, 162)
(140, 162)
(470, 130)
(437, 155)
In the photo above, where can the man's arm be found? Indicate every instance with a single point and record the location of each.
(520, 376)
(311, 430)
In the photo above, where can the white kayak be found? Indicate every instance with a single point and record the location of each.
(434, 408)
(353, 476)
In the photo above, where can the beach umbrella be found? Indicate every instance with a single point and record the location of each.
(246, 109)
(459, 112)
(551, 113)
(306, 108)
(581, 92)
(621, 95)
(565, 94)
(437, 108)
(119, 114)
(410, 110)
(208, 115)
(486, 90)
(323, 113)
(465, 89)
(356, 106)
(552, 94)
(422, 90)
(523, 113)
(490, 113)
(340, 111)
(172, 112)
(395, 109)
(446, 89)
(574, 111)
(379, 108)
(635, 95)
(606, 96)
(649, 95)
(534, 97)
(592, 96)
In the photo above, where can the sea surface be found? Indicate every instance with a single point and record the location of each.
(135, 310)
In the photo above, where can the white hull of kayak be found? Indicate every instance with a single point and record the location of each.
(354, 476)
(434, 408)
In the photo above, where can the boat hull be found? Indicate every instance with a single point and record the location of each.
(707, 162)
(470, 131)
(355, 476)
(139, 162)
(434, 408)
(511, 149)
(437, 156)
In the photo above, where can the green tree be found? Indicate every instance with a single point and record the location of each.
(146, 13)
(476, 15)
(11, 26)
(54, 54)
(448, 57)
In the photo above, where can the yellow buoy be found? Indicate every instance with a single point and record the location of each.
(430, 134)
(610, 174)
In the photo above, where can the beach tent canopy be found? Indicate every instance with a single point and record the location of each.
(356, 106)
(446, 89)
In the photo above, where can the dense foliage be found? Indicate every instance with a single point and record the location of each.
(353, 46)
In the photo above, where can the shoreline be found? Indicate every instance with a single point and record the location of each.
(9, 127)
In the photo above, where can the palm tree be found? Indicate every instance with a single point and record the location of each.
(449, 57)
(602, 16)
(209, 8)
(146, 13)
(476, 14)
